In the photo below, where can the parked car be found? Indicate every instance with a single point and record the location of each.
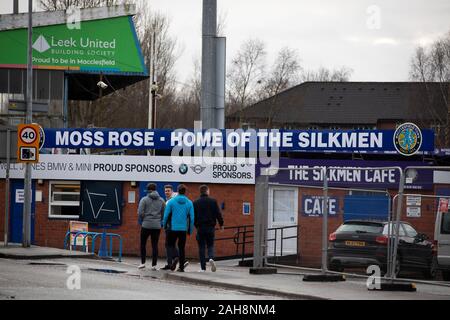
(363, 243)
(442, 243)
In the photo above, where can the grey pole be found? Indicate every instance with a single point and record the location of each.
(26, 238)
(208, 94)
(8, 163)
(16, 6)
(325, 222)
(220, 82)
(261, 196)
(397, 223)
(150, 89)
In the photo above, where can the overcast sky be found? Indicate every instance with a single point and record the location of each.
(328, 33)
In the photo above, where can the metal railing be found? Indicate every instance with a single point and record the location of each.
(243, 239)
(94, 236)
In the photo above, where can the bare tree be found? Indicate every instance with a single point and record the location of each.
(245, 74)
(325, 74)
(53, 5)
(283, 75)
(129, 107)
(433, 65)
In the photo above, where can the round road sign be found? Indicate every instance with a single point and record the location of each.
(28, 135)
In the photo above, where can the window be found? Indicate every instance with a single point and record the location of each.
(284, 206)
(360, 227)
(401, 231)
(410, 231)
(445, 224)
(64, 199)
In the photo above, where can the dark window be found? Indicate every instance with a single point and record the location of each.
(43, 85)
(445, 223)
(3, 81)
(57, 83)
(15, 80)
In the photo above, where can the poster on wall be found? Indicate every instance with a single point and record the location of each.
(414, 201)
(101, 202)
(413, 212)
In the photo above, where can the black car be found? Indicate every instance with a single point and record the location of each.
(363, 243)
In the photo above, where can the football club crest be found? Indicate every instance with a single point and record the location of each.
(408, 139)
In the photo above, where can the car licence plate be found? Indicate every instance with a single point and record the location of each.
(355, 243)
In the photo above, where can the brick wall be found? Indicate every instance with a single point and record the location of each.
(51, 232)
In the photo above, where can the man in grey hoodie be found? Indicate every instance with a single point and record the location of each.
(151, 212)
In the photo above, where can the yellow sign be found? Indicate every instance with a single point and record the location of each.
(78, 226)
(28, 143)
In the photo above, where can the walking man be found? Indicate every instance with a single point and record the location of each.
(168, 192)
(207, 213)
(179, 213)
(150, 211)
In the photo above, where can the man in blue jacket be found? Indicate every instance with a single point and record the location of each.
(180, 211)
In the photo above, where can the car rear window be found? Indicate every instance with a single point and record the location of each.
(361, 227)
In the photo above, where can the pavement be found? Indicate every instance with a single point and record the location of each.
(55, 279)
(285, 284)
(16, 251)
(288, 284)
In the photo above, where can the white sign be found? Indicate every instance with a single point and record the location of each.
(441, 177)
(20, 196)
(413, 212)
(138, 168)
(131, 197)
(414, 201)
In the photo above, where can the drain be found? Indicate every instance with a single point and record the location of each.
(46, 264)
(106, 270)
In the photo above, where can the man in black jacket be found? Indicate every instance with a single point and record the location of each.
(206, 214)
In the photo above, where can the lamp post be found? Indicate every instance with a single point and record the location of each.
(26, 234)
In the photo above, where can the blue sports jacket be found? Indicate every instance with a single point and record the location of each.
(180, 210)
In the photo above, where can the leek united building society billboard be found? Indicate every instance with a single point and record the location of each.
(106, 45)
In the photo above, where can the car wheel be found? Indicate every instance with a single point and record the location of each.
(336, 268)
(431, 272)
(446, 275)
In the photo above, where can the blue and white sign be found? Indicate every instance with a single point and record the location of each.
(312, 206)
(359, 141)
(351, 173)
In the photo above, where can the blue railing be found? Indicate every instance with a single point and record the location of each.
(94, 235)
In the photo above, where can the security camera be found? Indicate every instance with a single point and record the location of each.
(102, 85)
(154, 87)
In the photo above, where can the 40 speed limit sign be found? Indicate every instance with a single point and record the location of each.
(28, 138)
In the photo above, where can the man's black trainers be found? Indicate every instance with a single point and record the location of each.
(166, 267)
(174, 264)
(180, 270)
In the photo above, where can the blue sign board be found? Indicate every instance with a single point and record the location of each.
(312, 206)
(349, 174)
(358, 141)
